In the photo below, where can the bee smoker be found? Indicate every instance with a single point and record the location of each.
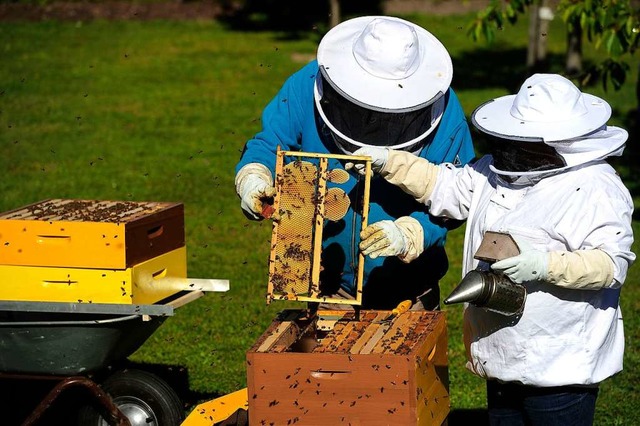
(487, 289)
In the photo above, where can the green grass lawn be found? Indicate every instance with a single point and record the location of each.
(159, 111)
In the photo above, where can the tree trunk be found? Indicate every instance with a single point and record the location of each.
(637, 123)
(334, 13)
(532, 46)
(540, 15)
(573, 62)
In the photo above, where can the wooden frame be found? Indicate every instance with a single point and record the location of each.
(315, 230)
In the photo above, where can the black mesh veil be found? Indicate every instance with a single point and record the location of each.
(370, 125)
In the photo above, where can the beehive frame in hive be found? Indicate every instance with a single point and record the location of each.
(302, 203)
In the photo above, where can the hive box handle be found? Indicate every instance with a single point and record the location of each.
(330, 374)
(53, 239)
(155, 232)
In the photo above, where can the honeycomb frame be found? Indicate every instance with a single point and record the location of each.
(303, 197)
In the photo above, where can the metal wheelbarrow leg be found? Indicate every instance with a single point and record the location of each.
(68, 341)
(109, 410)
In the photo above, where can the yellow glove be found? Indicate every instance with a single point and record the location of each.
(414, 175)
(581, 269)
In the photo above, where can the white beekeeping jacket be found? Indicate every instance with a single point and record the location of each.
(564, 336)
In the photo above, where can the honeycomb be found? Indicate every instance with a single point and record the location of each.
(302, 204)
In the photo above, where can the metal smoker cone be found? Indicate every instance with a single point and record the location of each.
(472, 289)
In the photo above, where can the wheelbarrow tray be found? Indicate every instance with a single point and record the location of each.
(58, 338)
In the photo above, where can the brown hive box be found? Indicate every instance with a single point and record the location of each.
(90, 233)
(362, 372)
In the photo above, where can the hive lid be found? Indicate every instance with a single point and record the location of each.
(69, 210)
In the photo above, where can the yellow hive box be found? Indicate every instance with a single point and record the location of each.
(145, 283)
(90, 233)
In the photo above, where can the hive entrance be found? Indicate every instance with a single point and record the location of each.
(309, 193)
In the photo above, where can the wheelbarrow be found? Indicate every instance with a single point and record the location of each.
(72, 343)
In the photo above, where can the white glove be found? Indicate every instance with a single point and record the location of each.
(382, 238)
(254, 185)
(529, 265)
(378, 159)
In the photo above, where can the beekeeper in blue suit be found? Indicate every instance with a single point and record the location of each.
(377, 81)
(547, 183)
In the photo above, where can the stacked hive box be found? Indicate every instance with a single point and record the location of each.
(88, 251)
(353, 369)
(363, 371)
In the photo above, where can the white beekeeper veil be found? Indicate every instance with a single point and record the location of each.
(382, 82)
(548, 126)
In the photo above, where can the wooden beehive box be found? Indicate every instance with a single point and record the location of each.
(90, 233)
(147, 282)
(90, 251)
(361, 372)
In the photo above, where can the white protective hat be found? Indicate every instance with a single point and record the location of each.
(549, 108)
(385, 62)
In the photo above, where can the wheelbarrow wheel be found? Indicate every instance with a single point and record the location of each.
(144, 398)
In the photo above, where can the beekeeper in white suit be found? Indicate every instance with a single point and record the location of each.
(545, 182)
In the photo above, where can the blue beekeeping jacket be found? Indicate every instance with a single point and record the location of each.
(290, 122)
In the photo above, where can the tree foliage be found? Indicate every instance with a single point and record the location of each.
(493, 17)
(610, 25)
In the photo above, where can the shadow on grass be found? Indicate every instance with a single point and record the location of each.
(464, 417)
(483, 68)
(294, 19)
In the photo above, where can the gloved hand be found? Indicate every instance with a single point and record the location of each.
(529, 265)
(254, 186)
(382, 238)
(378, 159)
